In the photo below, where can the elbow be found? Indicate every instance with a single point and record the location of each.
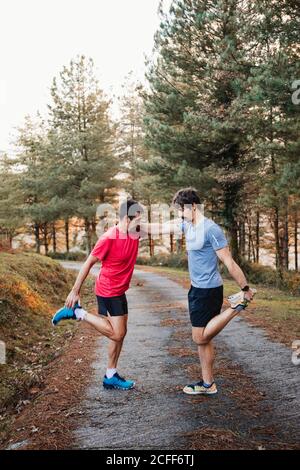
(90, 261)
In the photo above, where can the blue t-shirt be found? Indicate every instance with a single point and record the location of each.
(202, 242)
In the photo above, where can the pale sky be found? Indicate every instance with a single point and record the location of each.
(38, 37)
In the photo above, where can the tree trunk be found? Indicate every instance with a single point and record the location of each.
(94, 233)
(281, 246)
(250, 240)
(152, 248)
(286, 240)
(296, 240)
(88, 234)
(242, 248)
(67, 235)
(45, 239)
(172, 242)
(234, 242)
(257, 240)
(231, 201)
(151, 244)
(37, 238)
(240, 237)
(276, 209)
(253, 250)
(54, 237)
(249, 243)
(277, 242)
(160, 231)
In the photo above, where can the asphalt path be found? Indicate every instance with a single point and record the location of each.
(156, 414)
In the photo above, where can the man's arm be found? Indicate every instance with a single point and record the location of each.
(235, 271)
(166, 228)
(73, 296)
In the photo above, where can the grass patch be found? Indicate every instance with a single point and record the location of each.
(32, 287)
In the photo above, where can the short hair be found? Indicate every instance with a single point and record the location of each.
(129, 208)
(186, 196)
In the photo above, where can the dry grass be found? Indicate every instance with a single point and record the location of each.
(47, 422)
(32, 287)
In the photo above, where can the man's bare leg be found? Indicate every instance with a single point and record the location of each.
(207, 357)
(111, 327)
(202, 336)
(115, 329)
(115, 347)
(114, 351)
(215, 325)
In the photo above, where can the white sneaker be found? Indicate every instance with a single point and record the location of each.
(238, 301)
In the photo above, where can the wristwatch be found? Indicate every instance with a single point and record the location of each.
(246, 288)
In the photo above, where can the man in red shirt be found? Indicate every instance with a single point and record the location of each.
(117, 250)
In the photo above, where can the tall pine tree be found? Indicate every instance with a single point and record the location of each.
(82, 145)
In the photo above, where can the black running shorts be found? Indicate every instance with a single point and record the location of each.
(204, 304)
(115, 306)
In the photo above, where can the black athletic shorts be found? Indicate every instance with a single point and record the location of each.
(204, 304)
(115, 306)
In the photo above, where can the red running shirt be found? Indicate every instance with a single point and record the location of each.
(117, 253)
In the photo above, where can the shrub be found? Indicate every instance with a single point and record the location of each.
(255, 273)
(258, 274)
(175, 260)
(291, 282)
(71, 256)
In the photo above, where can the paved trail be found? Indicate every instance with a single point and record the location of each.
(157, 415)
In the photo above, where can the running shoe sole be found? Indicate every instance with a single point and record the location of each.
(201, 393)
(55, 324)
(111, 387)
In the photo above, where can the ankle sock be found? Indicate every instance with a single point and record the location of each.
(207, 385)
(80, 313)
(110, 373)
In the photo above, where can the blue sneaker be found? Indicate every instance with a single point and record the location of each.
(65, 313)
(117, 382)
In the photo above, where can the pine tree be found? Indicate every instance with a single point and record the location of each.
(195, 115)
(137, 180)
(82, 143)
(220, 103)
(274, 120)
(31, 163)
(11, 200)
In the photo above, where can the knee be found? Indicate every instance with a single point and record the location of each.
(118, 336)
(199, 340)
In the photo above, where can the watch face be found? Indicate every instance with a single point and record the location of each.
(246, 288)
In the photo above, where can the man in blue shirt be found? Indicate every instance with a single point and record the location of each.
(205, 243)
